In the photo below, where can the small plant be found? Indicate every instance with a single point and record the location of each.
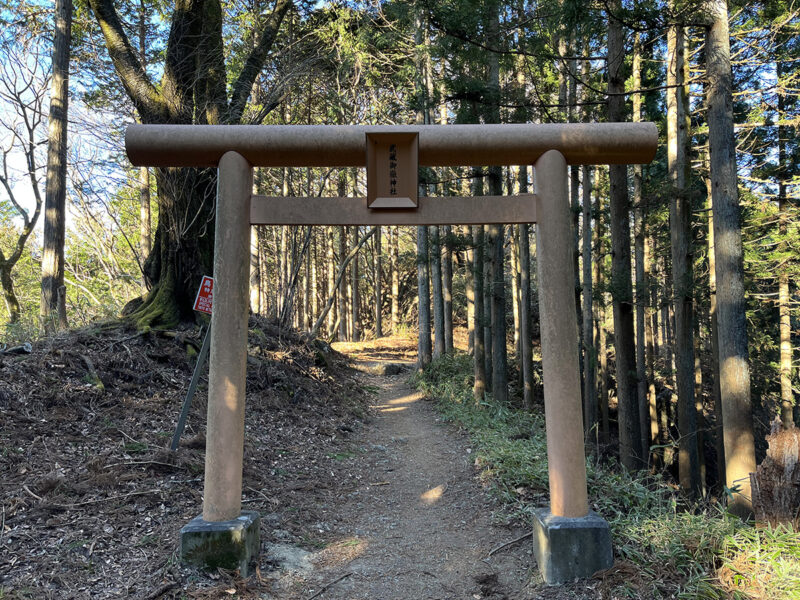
(147, 540)
(351, 542)
(762, 563)
(404, 329)
(135, 447)
(9, 594)
(341, 455)
(24, 330)
(308, 541)
(77, 544)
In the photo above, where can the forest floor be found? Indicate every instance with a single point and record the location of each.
(363, 490)
(91, 498)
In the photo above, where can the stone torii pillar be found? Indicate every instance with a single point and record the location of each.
(226, 382)
(224, 535)
(569, 540)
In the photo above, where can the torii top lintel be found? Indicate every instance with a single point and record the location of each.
(345, 145)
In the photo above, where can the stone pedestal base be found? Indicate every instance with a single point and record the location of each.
(230, 544)
(570, 548)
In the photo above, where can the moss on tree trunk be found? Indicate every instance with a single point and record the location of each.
(183, 248)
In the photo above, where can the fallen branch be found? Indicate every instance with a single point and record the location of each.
(25, 348)
(507, 544)
(142, 462)
(127, 436)
(334, 329)
(27, 489)
(109, 498)
(161, 591)
(328, 585)
(264, 496)
(125, 339)
(96, 382)
(179, 336)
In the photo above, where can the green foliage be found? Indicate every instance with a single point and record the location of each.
(768, 559)
(341, 456)
(101, 271)
(664, 550)
(135, 447)
(767, 253)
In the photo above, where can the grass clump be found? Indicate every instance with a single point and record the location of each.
(762, 563)
(661, 549)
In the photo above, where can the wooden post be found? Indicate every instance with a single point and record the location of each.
(559, 332)
(227, 373)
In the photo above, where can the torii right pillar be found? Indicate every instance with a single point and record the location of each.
(569, 540)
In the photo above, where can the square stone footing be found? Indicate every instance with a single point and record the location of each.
(569, 548)
(228, 544)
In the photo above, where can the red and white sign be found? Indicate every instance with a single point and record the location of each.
(205, 295)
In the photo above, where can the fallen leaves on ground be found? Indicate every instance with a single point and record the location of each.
(91, 497)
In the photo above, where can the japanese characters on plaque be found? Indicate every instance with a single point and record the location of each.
(392, 170)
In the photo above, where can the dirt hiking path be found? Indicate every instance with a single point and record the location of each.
(419, 526)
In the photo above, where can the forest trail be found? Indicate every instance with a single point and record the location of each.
(419, 525)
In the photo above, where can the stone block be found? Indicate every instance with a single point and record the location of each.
(230, 544)
(568, 548)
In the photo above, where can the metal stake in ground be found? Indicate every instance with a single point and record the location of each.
(187, 402)
(202, 303)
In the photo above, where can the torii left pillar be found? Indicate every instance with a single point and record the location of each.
(224, 535)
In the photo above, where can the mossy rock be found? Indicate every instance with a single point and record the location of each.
(231, 545)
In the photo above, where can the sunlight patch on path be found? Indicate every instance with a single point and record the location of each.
(397, 404)
(433, 495)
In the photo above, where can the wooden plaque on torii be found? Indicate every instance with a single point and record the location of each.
(392, 170)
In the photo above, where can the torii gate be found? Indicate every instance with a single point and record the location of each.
(569, 540)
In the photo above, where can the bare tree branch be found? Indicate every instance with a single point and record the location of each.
(342, 270)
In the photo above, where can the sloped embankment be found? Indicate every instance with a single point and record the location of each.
(92, 499)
